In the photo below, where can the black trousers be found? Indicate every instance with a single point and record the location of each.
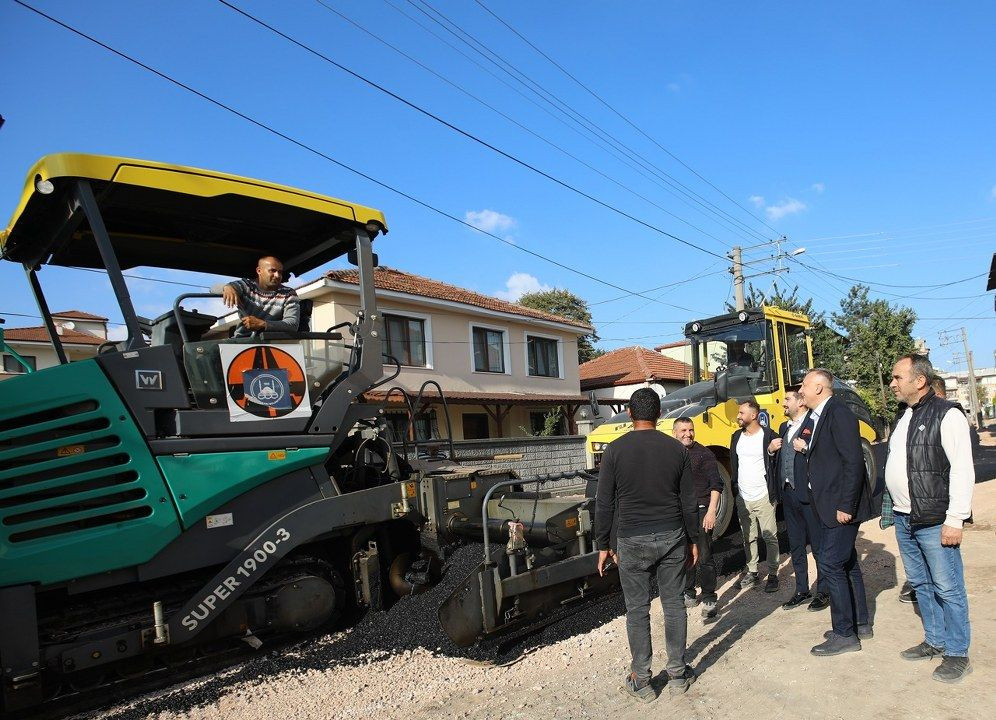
(705, 568)
(803, 528)
(839, 568)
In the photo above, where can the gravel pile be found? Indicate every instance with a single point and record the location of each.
(407, 633)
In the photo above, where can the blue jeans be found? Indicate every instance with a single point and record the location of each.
(661, 555)
(937, 575)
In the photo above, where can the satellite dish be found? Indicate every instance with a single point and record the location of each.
(70, 325)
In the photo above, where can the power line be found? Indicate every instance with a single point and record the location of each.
(869, 283)
(512, 120)
(505, 66)
(329, 158)
(619, 114)
(470, 136)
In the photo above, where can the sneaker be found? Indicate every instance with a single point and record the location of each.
(644, 693)
(820, 602)
(679, 684)
(907, 594)
(771, 584)
(748, 580)
(923, 651)
(952, 669)
(708, 609)
(690, 600)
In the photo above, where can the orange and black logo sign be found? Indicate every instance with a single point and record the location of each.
(266, 382)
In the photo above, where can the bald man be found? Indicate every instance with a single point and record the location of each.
(264, 304)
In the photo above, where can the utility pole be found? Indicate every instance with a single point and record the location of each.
(738, 277)
(973, 396)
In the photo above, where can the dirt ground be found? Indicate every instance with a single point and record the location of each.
(754, 658)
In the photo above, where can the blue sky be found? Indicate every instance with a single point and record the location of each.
(861, 131)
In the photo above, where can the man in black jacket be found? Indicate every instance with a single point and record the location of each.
(646, 477)
(801, 522)
(708, 490)
(757, 492)
(841, 497)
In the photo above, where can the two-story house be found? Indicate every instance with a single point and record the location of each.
(81, 334)
(504, 368)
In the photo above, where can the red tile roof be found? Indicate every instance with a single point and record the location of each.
(40, 334)
(390, 279)
(668, 346)
(79, 315)
(629, 366)
(489, 398)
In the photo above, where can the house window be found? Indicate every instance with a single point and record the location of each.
(538, 422)
(542, 356)
(406, 339)
(489, 350)
(425, 425)
(11, 365)
(475, 426)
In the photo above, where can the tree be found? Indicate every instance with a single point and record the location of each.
(568, 305)
(878, 333)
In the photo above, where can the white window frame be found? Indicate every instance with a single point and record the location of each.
(426, 329)
(505, 343)
(526, 334)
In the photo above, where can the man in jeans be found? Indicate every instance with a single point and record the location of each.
(930, 476)
(645, 481)
(708, 489)
(757, 492)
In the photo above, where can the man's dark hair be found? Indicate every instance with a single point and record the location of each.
(920, 366)
(751, 403)
(645, 404)
(684, 419)
(940, 387)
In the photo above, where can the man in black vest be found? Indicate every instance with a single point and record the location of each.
(930, 476)
(841, 497)
(801, 523)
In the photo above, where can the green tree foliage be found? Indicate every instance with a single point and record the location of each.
(568, 305)
(878, 333)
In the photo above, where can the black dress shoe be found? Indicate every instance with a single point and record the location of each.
(820, 602)
(864, 632)
(836, 645)
(797, 600)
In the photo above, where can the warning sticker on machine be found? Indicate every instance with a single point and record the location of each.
(265, 382)
(221, 520)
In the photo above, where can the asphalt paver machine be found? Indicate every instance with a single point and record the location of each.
(183, 490)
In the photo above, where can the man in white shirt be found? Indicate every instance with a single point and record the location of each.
(930, 476)
(757, 492)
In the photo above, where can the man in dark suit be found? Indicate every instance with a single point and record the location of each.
(842, 500)
(801, 522)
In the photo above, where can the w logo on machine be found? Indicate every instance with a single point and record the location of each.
(266, 382)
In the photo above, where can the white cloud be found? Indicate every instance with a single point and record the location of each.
(117, 333)
(757, 200)
(786, 207)
(489, 220)
(518, 284)
(818, 188)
